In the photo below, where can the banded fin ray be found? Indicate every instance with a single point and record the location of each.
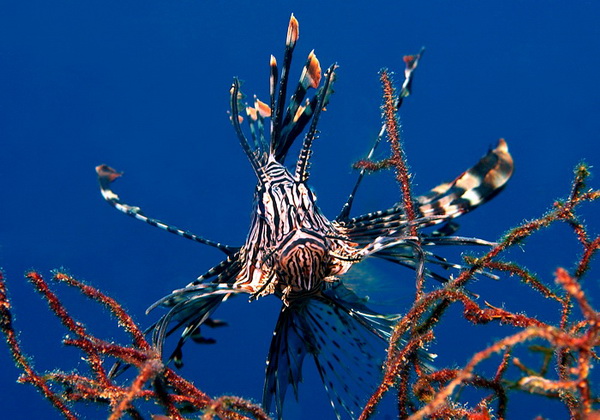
(287, 123)
(236, 119)
(411, 62)
(298, 115)
(301, 174)
(278, 103)
(107, 175)
(444, 202)
(473, 187)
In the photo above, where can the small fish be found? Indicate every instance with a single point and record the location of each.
(293, 251)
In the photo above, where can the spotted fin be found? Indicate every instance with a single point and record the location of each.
(471, 188)
(446, 201)
(346, 339)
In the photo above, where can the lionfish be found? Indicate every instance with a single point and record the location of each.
(293, 251)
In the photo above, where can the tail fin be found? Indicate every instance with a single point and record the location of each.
(346, 339)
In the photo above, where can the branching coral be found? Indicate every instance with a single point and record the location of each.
(569, 347)
(424, 394)
(174, 394)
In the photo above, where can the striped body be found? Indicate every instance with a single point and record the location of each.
(289, 250)
(295, 253)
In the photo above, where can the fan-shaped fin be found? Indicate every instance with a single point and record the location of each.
(346, 339)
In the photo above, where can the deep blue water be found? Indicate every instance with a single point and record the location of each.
(143, 87)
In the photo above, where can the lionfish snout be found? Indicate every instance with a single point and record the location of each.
(303, 260)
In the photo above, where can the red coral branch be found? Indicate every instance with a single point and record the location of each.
(573, 343)
(569, 347)
(153, 382)
(117, 310)
(30, 375)
(398, 158)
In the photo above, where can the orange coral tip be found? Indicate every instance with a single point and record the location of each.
(409, 59)
(502, 145)
(240, 119)
(293, 32)
(263, 109)
(314, 70)
(251, 112)
(106, 172)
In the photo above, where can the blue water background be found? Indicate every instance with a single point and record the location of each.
(143, 87)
